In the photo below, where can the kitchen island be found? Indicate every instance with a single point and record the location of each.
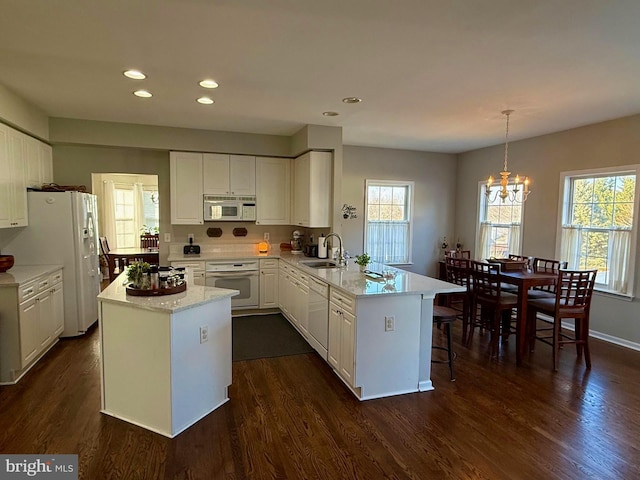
(165, 360)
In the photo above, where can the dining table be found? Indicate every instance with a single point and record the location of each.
(525, 280)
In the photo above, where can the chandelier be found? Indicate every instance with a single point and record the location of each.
(513, 191)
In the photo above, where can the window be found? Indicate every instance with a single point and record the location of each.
(128, 227)
(598, 222)
(125, 235)
(499, 225)
(388, 221)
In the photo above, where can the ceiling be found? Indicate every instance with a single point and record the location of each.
(433, 75)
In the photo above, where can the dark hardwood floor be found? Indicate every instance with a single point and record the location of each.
(291, 418)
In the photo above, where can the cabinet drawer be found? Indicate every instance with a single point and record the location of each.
(195, 266)
(43, 283)
(27, 291)
(269, 263)
(318, 286)
(347, 302)
(55, 277)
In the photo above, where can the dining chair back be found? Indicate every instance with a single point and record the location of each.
(488, 295)
(458, 253)
(457, 270)
(543, 265)
(104, 246)
(572, 300)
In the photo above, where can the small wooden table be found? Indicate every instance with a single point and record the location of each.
(525, 280)
(127, 255)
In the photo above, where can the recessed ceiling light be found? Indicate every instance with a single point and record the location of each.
(142, 93)
(135, 74)
(204, 100)
(351, 100)
(208, 83)
(330, 114)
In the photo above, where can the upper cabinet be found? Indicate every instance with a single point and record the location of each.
(186, 188)
(13, 188)
(273, 191)
(312, 190)
(228, 174)
(39, 163)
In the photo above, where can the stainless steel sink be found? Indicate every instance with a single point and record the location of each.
(320, 264)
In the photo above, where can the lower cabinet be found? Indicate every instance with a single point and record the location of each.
(269, 283)
(32, 317)
(341, 347)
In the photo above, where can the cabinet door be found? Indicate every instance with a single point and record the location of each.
(46, 163)
(283, 301)
(215, 174)
(32, 162)
(347, 347)
(302, 302)
(242, 175)
(57, 310)
(45, 320)
(186, 188)
(273, 191)
(300, 207)
(333, 346)
(5, 179)
(29, 331)
(268, 288)
(17, 171)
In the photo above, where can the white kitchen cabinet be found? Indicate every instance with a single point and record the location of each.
(273, 191)
(283, 282)
(186, 188)
(39, 162)
(269, 283)
(312, 190)
(228, 174)
(301, 299)
(31, 319)
(13, 189)
(341, 349)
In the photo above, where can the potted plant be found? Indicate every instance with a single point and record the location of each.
(363, 260)
(136, 274)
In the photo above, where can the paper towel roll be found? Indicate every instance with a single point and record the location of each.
(322, 247)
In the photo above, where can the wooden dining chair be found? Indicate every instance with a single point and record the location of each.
(458, 253)
(572, 300)
(488, 295)
(545, 266)
(457, 270)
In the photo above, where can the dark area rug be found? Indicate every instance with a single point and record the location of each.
(264, 336)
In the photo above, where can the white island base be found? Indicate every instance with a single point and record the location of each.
(157, 371)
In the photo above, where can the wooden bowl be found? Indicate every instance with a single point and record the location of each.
(6, 262)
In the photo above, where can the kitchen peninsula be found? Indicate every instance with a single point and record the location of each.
(165, 360)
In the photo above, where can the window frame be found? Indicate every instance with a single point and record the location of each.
(564, 209)
(482, 209)
(410, 186)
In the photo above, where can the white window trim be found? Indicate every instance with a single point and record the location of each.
(482, 201)
(394, 183)
(563, 210)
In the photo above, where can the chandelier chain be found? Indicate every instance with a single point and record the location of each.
(506, 141)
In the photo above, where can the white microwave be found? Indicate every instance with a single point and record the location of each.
(223, 208)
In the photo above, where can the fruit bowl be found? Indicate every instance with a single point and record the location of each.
(6, 262)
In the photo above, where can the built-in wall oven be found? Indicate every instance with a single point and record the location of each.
(241, 275)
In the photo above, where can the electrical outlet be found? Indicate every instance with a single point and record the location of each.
(167, 238)
(266, 236)
(389, 323)
(190, 237)
(204, 334)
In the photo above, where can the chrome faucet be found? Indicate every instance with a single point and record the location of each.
(341, 260)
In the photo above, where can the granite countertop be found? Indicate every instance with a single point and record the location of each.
(21, 274)
(354, 282)
(193, 296)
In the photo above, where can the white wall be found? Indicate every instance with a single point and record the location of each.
(612, 143)
(434, 175)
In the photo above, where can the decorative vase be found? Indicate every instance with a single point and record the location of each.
(362, 267)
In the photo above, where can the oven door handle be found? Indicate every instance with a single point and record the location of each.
(231, 274)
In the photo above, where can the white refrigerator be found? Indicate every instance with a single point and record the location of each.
(63, 229)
